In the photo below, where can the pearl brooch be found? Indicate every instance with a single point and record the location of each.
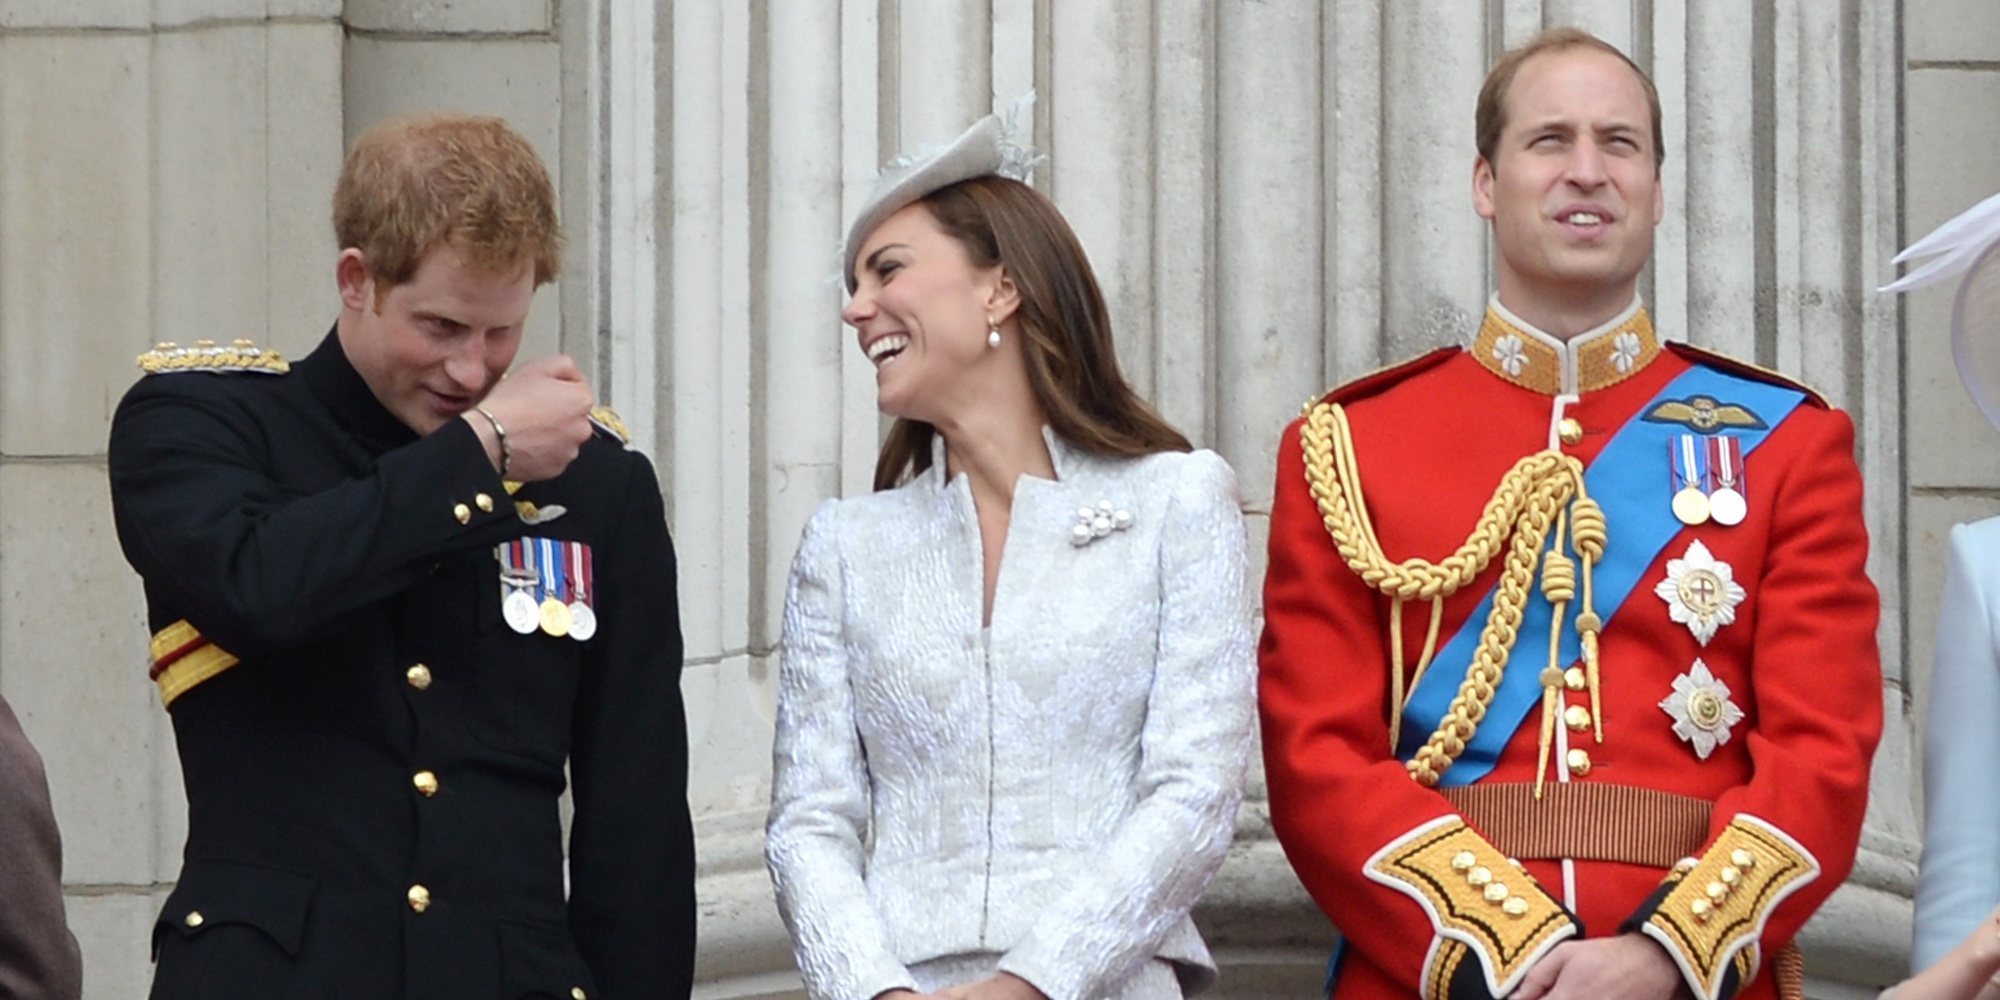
(1093, 523)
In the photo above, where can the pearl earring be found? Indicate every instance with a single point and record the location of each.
(992, 334)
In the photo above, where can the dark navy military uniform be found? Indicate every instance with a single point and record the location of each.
(372, 757)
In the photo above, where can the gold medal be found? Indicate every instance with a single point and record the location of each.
(1691, 506)
(555, 617)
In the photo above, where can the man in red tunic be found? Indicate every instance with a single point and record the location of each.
(1569, 675)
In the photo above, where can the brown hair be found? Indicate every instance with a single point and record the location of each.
(471, 183)
(1065, 328)
(1490, 117)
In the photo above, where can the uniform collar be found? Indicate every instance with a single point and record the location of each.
(347, 396)
(1517, 352)
(1061, 458)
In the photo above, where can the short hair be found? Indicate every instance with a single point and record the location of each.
(411, 185)
(1490, 118)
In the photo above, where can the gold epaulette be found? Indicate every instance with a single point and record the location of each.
(1714, 908)
(1382, 378)
(607, 420)
(1479, 901)
(167, 358)
(1738, 366)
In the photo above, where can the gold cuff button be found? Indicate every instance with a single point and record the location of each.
(463, 513)
(1577, 718)
(1496, 892)
(483, 502)
(420, 898)
(193, 919)
(1479, 877)
(1701, 910)
(1730, 875)
(419, 676)
(1569, 431)
(426, 782)
(1463, 861)
(1717, 891)
(1515, 906)
(1574, 679)
(1578, 761)
(1742, 858)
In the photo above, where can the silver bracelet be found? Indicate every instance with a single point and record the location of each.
(500, 433)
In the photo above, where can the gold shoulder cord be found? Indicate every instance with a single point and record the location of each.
(1541, 492)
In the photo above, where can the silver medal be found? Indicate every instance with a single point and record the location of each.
(522, 613)
(582, 621)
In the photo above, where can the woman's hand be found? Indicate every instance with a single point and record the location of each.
(1970, 970)
(1000, 986)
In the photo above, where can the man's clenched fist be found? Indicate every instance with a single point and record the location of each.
(545, 408)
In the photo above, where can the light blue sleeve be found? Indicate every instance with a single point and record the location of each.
(1959, 881)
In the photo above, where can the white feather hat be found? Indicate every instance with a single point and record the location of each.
(1968, 244)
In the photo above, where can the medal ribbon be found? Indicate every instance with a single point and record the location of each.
(1727, 455)
(553, 571)
(1641, 527)
(579, 569)
(1690, 463)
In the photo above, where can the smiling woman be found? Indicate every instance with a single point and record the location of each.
(1017, 678)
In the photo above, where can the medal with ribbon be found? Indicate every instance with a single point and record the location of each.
(517, 581)
(1689, 457)
(1727, 504)
(582, 617)
(554, 610)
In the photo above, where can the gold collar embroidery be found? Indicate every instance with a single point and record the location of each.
(1531, 359)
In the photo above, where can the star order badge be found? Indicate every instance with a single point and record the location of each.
(1701, 592)
(1701, 709)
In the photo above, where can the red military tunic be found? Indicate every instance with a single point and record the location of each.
(1771, 816)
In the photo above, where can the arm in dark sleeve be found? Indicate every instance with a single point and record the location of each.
(257, 566)
(38, 955)
(631, 853)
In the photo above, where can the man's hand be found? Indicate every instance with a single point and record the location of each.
(1628, 966)
(1000, 986)
(545, 408)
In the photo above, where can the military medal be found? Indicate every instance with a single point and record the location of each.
(554, 612)
(1701, 592)
(1726, 504)
(582, 620)
(1701, 709)
(516, 579)
(1689, 460)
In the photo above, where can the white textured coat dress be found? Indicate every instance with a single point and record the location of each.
(1048, 796)
(1959, 880)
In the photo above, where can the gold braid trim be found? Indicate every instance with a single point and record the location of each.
(1530, 500)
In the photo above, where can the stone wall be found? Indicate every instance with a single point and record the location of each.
(1274, 194)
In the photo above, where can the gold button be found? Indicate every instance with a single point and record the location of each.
(1463, 861)
(420, 898)
(1515, 906)
(576, 993)
(1742, 858)
(1479, 877)
(483, 502)
(1569, 431)
(193, 919)
(1730, 875)
(1717, 891)
(426, 782)
(419, 676)
(1496, 892)
(1685, 865)
(1574, 679)
(1578, 761)
(1701, 910)
(1577, 718)
(463, 513)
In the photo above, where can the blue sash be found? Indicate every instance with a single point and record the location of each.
(1629, 479)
